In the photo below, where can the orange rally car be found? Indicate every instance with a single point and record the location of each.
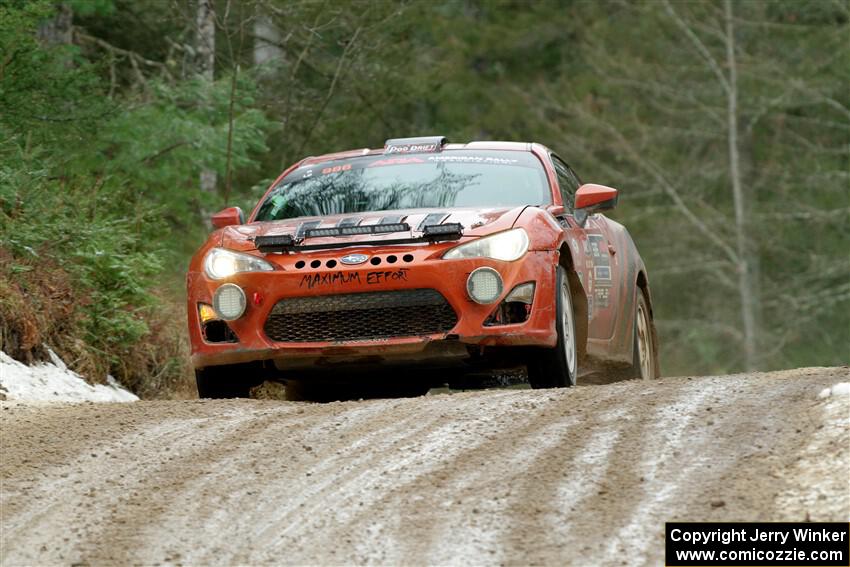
(425, 261)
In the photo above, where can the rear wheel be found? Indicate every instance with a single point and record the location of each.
(557, 367)
(645, 356)
(228, 381)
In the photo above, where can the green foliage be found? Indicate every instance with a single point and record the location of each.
(92, 186)
(155, 148)
(61, 225)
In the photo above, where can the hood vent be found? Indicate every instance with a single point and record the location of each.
(349, 221)
(304, 227)
(389, 219)
(432, 219)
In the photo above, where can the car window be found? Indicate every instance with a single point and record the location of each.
(574, 175)
(452, 178)
(568, 182)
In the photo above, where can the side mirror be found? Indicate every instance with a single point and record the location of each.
(228, 217)
(591, 198)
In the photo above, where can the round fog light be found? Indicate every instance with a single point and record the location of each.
(229, 302)
(484, 285)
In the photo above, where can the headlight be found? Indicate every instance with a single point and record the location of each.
(508, 246)
(221, 263)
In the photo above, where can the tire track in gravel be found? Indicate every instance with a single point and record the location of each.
(137, 518)
(295, 499)
(453, 469)
(656, 433)
(493, 520)
(495, 477)
(201, 484)
(561, 490)
(88, 495)
(376, 474)
(682, 467)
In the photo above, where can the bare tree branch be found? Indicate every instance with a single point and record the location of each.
(134, 57)
(655, 172)
(152, 158)
(330, 93)
(698, 44)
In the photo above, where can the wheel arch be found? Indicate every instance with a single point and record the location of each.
(642, 283)
(579, 300)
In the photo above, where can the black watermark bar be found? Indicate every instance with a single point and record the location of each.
(766, 544)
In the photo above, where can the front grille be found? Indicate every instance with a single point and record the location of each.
(360, 316)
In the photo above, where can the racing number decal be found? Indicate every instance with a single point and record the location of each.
(336, 169)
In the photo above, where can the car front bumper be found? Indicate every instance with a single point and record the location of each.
(425, 270)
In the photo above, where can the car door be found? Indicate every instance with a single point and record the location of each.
(595, 258)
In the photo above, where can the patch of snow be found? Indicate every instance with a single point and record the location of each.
(823, 463)
(54, 382)
(840, 389)
(54, 358)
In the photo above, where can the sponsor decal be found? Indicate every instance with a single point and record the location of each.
(395, 161)
(597, 248)
(359, 341)
(374, 277)
(354, 259)
(330, 278)
(602, 297)
(603, 273)
(383, 276)
(598, 273)
(412, 148)
(472, 159)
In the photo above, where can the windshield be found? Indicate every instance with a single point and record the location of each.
(453, 178)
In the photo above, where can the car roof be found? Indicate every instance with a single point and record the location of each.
(475, 145)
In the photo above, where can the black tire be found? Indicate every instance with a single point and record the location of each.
(228, 381)
(551, 367)
(644, 360)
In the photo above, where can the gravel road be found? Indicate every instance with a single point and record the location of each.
(582, 476)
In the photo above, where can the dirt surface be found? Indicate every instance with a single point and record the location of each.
(582, 476)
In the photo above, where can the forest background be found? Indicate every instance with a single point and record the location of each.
(725, 125)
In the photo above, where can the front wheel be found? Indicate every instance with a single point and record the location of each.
(557, 367)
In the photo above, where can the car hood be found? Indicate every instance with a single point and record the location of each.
(475, 222)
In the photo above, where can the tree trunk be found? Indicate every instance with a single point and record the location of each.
(205, 49)
(266, 39)
(57, 30)
(745, 275)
